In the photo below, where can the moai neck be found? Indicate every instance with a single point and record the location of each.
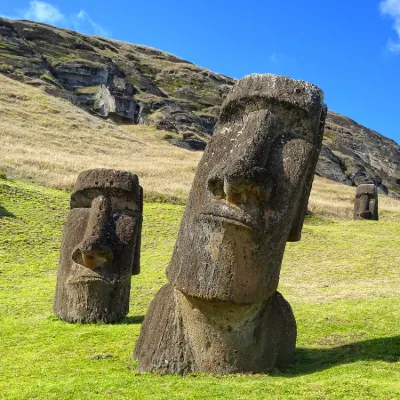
(218, 334)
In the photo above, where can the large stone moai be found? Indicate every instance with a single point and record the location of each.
(220, 311)
(100, 248)
(366, 202)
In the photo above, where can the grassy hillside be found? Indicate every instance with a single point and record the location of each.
(47, 140)
(342, 281)
(156, 88)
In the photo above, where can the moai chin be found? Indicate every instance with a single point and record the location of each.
(366, 202)
(100, 249)
(220, 311)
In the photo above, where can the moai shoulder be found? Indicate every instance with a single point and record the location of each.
(100, 248)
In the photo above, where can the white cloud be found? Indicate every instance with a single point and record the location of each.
(42, 11)
(274, 58)
(391, 8)
(84, 18)
(280, 59)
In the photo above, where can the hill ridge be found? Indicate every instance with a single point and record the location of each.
(143, 85)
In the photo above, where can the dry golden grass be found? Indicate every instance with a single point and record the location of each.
(336, 201)
(48, 140)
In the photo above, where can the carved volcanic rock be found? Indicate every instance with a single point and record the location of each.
(220, 311)
(138, 84)
(353, 154)
(100, 248)
(366, 203)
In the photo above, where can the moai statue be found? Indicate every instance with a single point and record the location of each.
(100, 248)
(220, 312)
(366, 202)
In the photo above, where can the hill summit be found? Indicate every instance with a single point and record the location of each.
(142, 85)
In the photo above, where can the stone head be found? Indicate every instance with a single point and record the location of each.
(250, 192)
(366, 202)
(101, 242)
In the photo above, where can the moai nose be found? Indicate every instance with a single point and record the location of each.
(241, 187)
(94, 259)
(237, 191)
(95, 248)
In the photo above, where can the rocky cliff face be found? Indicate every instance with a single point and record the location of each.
(353, 154)
(141, 85)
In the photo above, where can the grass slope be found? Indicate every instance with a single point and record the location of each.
(47, 140)
(342, 280)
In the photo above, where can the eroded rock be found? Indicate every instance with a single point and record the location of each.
(100, 248)
(220, 311)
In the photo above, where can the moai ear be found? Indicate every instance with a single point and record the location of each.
(136, 258)
(300, 213)
(302, 200)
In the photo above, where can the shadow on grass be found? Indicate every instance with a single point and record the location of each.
(5, 213)
(312, 360)
(134, 319)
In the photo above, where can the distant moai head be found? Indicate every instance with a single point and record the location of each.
(100, 247)
(250, 192)
(366, 202)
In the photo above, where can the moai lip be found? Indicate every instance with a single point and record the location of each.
(366, 202)
(220, 311)
(100, 249)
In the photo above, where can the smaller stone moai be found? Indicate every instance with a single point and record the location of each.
(100, 248)
(366, 202)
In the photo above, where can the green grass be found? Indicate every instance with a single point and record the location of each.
(87, 90)
(342, 280)
(49, 78)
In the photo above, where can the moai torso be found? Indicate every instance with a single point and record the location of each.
(366, 202)
(100, 248)
(220, 311)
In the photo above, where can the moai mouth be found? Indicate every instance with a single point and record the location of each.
(220, 311)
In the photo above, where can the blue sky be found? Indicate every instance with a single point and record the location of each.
(350, 48)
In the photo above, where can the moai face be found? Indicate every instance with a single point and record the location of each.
(366, 202)
(250, 191)
(101, 246)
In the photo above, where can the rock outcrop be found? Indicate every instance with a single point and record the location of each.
(353, 154)
(141, 85)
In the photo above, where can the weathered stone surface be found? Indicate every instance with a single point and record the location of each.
(18, 56)
(108, 103)
(220, 312)
(181, 334)
(360, 155)
(366, 202)
(100, 248)
(80, 74)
